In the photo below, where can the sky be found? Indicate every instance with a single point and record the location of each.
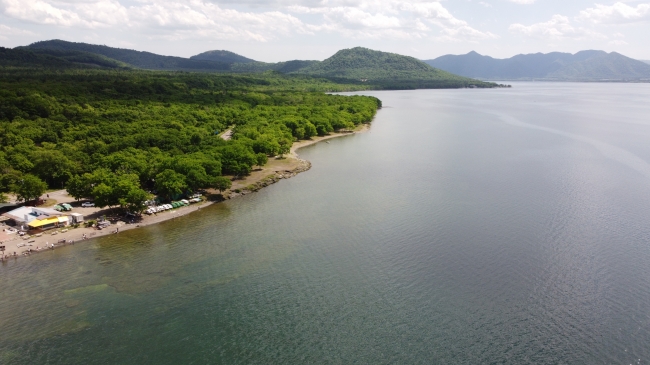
(280, 30)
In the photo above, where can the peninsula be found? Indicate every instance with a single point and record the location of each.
(83, 123)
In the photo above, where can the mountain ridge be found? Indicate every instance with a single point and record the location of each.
(379, 70)
(589, 65)
(139, 59)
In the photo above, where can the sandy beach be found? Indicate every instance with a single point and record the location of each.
(275, 170)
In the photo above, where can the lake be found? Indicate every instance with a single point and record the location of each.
(506, 226)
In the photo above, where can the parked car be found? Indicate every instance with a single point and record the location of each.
(87, 204)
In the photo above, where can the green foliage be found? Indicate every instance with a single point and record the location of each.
(169, 183)
(222, 56)
(114, 135)
(29, 187)
(221, 183)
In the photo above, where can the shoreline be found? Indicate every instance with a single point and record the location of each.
(271, 173)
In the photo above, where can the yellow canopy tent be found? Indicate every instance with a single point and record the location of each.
(43, 222)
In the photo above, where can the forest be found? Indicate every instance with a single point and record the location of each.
(117, 136)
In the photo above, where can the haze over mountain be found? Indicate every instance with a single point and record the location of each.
(582, 66)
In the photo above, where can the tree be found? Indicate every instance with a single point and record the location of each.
(170, 183)
(80, 187)
(261, 159)
(221, 183)
(285, 147)
(52, 166)
(134, 200)
(29, 187)
(103, 195)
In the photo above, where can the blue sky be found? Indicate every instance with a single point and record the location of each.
(278, 30)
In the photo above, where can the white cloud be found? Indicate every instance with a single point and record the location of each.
(211, 19)
(390, 18)
(87, 14)
(159, 18)
(525, 2)
(559, 27)
(618, 13)
(6, 32)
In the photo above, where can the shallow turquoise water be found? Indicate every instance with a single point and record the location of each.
(468, 226)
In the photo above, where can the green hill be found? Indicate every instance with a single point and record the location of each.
(387, 71)
(144, 60)
(282, 67)
(211, 61)
(55, 59)
(23, 58)
(83, 58)
(221, 56)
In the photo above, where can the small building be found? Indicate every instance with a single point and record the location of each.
(76, 218)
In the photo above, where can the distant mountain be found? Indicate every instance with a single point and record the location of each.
(84, 58)
(646, 61)
(211, 61)
(387, 70)
(584, 65)
(221, 56)
(357, 65)
(55, 59)
(145, 60)
(24, 58)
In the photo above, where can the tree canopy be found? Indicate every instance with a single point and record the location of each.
(114, 136)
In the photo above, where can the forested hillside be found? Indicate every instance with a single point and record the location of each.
(386, 70)
(222, 56)
(115, 135)
(136, 59)
(377, 70)
(55, 59)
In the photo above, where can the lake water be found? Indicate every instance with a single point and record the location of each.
(506, 226)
